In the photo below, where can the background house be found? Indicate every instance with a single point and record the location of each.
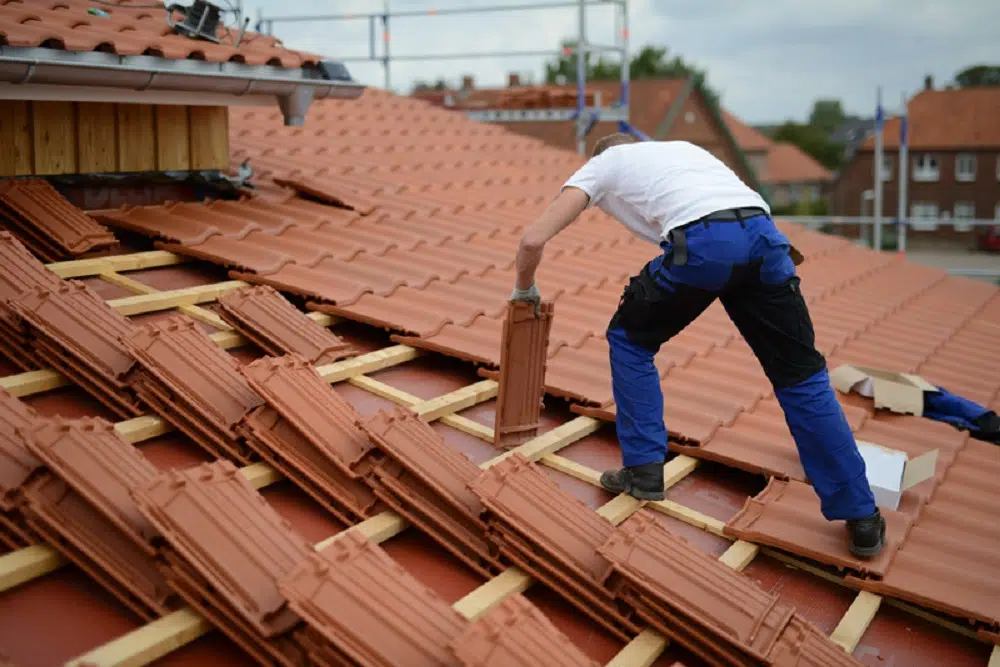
(954, 169)
(662, 108)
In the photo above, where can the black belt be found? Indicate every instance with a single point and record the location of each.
(678, 237)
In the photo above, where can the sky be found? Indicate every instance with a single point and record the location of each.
(769, 59)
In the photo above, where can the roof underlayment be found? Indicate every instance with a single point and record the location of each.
(396, 229)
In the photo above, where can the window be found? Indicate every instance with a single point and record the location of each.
(965, 167)
(964, 211)
(925, 168)
(923, 216)
(887, 162)
(794, 193)
(814, 192)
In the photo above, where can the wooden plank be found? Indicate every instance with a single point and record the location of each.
(209, 137)
(194, 312)
(367, 363)
(261, 474)
(552, 441)
(15, 137)
(173, 143)
(97, 137)
(994, 657)
(456, 401)
(54, 137)
(187, 296)
(856, 620)
(142, 428)
(136, 138)
(641, 651)
(32, 382)
(479, 601)
(148, 643)
(26, 564)
(739, 554)
(81, 268)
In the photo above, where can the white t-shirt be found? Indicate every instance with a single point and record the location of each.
(653, 186)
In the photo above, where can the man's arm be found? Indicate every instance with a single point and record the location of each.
(565, 209)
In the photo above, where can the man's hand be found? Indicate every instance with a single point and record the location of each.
(530, 295)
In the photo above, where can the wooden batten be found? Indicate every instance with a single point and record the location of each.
(49, 138)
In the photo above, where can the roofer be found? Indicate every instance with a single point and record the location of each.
(718, 241)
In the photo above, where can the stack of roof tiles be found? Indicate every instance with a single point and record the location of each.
(82, 506)
(48, 224)
(20, 273)
(193, 384)
(308, 432)
(17, 464)
(267, 318)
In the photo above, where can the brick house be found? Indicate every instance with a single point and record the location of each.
(663, 109)
(788, 174)
(954, 166)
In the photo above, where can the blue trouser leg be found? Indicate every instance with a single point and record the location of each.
(826, 448)
(635, 384)
(944, 406)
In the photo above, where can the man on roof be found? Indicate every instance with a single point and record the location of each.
(718, 241)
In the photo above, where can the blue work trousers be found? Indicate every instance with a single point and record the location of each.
(746, 264)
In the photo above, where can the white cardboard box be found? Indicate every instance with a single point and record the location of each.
(890, 472)
(896, 392)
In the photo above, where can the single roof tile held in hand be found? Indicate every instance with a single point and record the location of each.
(523, 351)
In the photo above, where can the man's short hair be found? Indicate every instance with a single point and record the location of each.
(616, 139)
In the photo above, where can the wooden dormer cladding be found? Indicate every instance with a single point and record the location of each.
(46, 138)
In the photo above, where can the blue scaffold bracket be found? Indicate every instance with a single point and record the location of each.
(625, 126)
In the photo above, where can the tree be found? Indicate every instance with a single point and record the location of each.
(813, 140)
(978, 75)
(650, 62)
(424, 86)
(827, 115)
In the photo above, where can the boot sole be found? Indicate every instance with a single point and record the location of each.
(647, 495)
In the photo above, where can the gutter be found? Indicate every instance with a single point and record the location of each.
(293, 89)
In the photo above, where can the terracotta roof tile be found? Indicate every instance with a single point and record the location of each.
(787, 163)
(523, 347)
(53, 228)
(17, 464)
(948, 120)
(130, 31)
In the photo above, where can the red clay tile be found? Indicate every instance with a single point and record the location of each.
(37, 211)
(691, 597)
(523, 347)
(192, 383)
(268, 319)
(20, 273)
(81, 335)
(295, 390)
(88, 513)
(371, 610)
(227, 543)
(948, 559)
(516, 633)
(552, 535)
(329, 191)
(426, 480)
(786, 515)
(17, 464)
(233, 253)
(802, 644)
(134, 30)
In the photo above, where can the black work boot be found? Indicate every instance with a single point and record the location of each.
(644, 482)
(987, 428)
(867, 535)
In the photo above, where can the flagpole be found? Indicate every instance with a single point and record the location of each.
(904, 162)
(879, 120)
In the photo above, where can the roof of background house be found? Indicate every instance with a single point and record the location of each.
(948, 120)
(394, 213)
(133, 28)
(787, 163)
(749, 138)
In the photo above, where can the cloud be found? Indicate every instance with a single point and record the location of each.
(770, 60)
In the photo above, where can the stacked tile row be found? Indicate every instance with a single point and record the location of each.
(44, 221)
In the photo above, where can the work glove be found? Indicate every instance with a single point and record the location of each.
(530, 295)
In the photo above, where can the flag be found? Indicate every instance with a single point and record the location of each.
(902, 130)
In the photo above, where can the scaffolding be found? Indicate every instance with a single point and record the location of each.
(584, 116)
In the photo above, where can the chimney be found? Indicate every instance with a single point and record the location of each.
(468, 82)
(513, 80)
(928, 82)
